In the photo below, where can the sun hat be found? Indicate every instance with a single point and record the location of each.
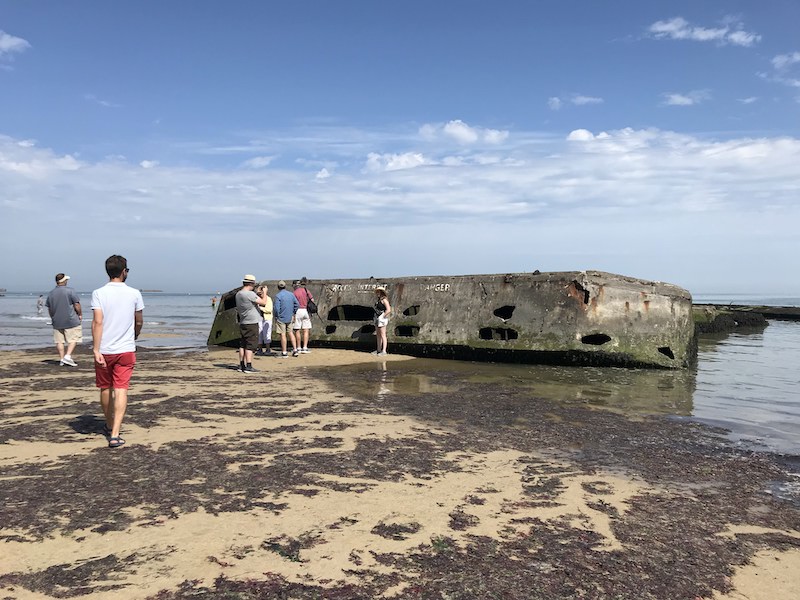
(249, 278)
(380, 288)
(281, 284)
(62, 278)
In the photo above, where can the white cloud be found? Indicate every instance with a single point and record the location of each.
(10, 45)
(784, 70)
(784, 61)
(580, 135)
(689, 99)
(258, 162)
(96, 100)
(495, 136)
(148, 164)
(612, 190)
(23, 158)
(556, 103)
(462, 133)
(749, 100)
(679, 28)
(743, 38)
(580, 100)
(394, 162)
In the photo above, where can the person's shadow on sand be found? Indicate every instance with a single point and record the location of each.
(87, 424)
(228, 366)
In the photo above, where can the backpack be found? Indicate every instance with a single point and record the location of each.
(311, 306)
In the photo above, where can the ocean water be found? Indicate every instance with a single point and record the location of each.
(170, 321)
(744, 382)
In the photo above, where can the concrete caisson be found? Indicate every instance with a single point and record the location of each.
(576, 317)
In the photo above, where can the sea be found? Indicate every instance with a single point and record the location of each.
(745, 383)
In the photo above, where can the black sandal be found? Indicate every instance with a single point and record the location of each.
(115, 442)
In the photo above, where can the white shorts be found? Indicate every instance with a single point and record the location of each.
(382, 321)
(301, 319)
(265, 332)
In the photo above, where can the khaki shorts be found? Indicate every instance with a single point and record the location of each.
(282, 328)
(73, 335)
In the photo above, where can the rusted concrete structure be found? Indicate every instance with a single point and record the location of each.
(582, 318)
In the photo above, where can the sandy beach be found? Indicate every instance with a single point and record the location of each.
(323, 476)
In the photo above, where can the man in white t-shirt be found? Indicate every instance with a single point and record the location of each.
(116, 323)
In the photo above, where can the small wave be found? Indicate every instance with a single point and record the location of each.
(36, 318)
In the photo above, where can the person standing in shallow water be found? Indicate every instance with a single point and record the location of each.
(117, 318)
(382, 311)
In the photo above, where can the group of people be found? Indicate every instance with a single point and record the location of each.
(290, 311)
(256, 310)
(117, 318)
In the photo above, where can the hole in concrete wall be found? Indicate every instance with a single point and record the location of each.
(582, 290)
(367, 329)
(406, 331)
(595, 339)
(504, 312)
(330, 329)
(229, 302)
(498, 333)
(411, 310)
(667, 351)
(351, 312)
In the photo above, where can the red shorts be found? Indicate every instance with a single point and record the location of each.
(117, 372)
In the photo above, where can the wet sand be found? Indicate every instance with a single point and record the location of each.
(317, 478)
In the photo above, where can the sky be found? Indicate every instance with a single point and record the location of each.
(206, 140)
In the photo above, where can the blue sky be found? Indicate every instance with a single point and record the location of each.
(204, 140)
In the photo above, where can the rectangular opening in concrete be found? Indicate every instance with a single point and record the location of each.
(406, 331)
(498, 333)
(411, 311)
(351, 312)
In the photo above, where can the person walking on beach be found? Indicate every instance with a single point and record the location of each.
(66, 316)
(40, 304)
(265, 324)
(382, 310)
(247, 310)
(286, 306)
(302, 320)
(117, 317)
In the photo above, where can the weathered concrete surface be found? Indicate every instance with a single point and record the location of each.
(779, 313)
(709, 318)
(586, 317)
